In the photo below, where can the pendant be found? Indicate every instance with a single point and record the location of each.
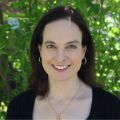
(58, 117)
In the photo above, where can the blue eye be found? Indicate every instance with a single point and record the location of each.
(50, 46)
(72, 46)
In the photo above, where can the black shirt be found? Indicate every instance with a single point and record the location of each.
(104, 105)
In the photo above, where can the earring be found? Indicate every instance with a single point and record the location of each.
(84, 61)
(39, 59)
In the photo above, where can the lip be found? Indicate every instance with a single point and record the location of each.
(60, 70)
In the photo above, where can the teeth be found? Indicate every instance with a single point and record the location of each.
(60, 67)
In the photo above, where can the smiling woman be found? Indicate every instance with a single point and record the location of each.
(62, 57)
(62, 82)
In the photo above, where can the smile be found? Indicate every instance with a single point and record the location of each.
(61, 67)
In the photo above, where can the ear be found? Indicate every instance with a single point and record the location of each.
(39, 49)
(84, 51)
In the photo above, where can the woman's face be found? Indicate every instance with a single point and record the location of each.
(62, 51)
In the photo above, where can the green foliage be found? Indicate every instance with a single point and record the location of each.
(102, 16)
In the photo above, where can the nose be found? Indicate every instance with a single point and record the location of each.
(60, 56)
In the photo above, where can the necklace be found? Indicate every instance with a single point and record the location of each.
(65, 106)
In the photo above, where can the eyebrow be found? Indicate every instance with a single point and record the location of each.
(74, 41)
(70, 42)
(49, 41)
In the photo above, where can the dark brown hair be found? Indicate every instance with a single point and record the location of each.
(38, 79)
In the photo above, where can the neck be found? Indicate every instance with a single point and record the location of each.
(63, 89)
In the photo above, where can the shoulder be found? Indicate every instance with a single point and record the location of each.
(105, 104)
(29, 94)
(103, 94)
(21, 106)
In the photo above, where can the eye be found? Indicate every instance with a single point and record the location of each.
(50, 46)
(72, 46)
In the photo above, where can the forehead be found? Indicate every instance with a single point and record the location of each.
(62, 30)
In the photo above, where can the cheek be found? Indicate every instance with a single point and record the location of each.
(46, 56)
(77, 56)
(76, 61)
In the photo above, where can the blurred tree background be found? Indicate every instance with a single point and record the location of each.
(18, 19)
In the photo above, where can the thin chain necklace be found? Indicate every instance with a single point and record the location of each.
(65, 107)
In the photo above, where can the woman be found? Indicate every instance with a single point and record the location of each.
(62, 83)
